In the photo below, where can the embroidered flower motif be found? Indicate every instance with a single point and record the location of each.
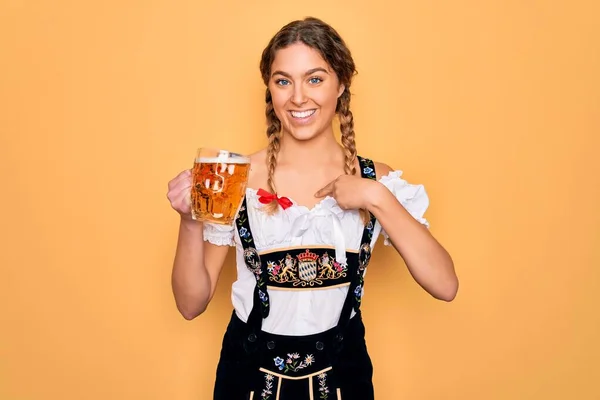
(309, 359)
(273, 268)
(262, 295)
(368, 171)
(358, 291)
(279, 363)
(338, 267)
(267, 391)
(292, 363)
(323, 389)
(242, 230)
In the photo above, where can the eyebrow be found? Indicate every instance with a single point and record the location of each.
(309, 72)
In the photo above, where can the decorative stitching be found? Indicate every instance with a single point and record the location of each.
(268, 390)
(364, 255)
(293, 362)
(252, 258)
(323, 389)
(306, 269)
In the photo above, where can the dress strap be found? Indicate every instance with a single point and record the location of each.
(254, 264)
(355, 292)
(367, 171)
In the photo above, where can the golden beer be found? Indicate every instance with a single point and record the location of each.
(219, 180)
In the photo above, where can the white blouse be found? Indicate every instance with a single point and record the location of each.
(307, 311)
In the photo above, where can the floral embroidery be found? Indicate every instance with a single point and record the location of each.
(358, 291)
(267, 391)
(368, 171)
(252, 258)
(306, 269)
(293, 362)
(262, 295)
(363, 261)
(243, 231)
(368, 168)
(323, 389)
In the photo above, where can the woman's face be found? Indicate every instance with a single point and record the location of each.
(304, 90)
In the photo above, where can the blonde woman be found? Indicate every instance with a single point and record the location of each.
(311, 215)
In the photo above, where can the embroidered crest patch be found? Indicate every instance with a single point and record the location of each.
(307, 268)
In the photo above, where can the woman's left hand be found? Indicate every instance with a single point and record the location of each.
(350, 192)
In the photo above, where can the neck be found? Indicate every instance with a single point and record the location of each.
(309, 151)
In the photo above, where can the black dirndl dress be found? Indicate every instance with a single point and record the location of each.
(331, 365)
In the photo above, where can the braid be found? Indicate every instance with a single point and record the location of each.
(347, 130)
(348, 140)
(273, 133)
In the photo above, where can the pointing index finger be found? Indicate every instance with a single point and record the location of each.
(324, 191)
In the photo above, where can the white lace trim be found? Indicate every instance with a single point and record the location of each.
(220, 235)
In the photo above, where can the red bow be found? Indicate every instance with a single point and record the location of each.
(266, 197)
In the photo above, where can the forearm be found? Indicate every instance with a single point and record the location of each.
(190, 279)
(428, 262)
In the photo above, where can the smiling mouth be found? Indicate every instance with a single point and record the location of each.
(302, 114)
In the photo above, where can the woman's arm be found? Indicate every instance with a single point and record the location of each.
(428, 262)
(197, 263)
(196, 269)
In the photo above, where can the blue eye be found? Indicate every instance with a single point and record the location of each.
(315, 80)
(282, 82)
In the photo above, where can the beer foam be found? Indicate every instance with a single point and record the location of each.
(225, 160)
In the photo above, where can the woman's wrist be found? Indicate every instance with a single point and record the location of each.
(189, 224)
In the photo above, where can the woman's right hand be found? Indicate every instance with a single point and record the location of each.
(179, 194)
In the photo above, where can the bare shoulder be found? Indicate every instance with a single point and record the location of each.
(381, 169)
(258, 158)
(258, 168)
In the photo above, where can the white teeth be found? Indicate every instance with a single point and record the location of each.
(302, 114)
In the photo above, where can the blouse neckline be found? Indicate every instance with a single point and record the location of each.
(327, 200)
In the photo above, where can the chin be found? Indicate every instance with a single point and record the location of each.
(303, 134)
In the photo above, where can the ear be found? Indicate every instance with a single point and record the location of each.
(341, 90)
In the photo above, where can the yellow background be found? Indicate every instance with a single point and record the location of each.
(493, 105)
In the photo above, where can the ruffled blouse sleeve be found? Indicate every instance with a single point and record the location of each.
(220, 235)
(412, 196)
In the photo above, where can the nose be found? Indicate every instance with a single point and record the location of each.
(298, 96)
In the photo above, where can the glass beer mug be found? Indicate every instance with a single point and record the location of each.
(219, 180)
